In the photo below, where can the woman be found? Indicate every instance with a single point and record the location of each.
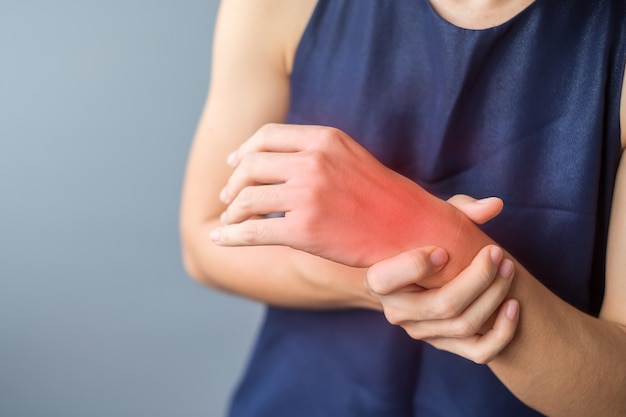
(515, 99)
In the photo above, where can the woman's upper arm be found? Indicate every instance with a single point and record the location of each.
(249, 87)
(614, 305)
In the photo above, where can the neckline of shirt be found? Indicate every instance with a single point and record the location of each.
(507, 22)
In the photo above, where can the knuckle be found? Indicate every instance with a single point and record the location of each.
(243, 202)
(485, 269)
(394, 316)
(328, 136)
(485, 276)
(482, 356)
(419, 264)
(262, 136)
(414, 332)
(503, 336)
(247, 164)
(249, 234)
(313, 162)
(232, 184)
(447, 307)
(265, 131)
(465, 327)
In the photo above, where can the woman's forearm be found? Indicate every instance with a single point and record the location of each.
(275, 275)
(563, 362)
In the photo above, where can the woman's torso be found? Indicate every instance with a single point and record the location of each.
(527, 111)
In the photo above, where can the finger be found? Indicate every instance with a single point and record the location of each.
(483, 349)
(256, 200)
(407, 268)
(479, 211)
(255, 169)
(475, 316)
(255, 232)
(280, 138)
(454, 297)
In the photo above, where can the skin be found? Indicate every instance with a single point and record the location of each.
(334, 194)
(550, 355)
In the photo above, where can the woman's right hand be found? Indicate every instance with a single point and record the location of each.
(457, 317)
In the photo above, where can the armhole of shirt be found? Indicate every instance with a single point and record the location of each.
(305, 35)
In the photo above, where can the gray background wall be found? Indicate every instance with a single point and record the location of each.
(98, 104)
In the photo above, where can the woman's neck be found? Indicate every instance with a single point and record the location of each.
(479, 14)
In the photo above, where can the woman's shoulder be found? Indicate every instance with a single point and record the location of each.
(269, 26)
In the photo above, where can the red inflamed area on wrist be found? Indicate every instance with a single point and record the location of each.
(435, 223)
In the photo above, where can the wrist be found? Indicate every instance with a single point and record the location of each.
(344, 285)
(443, 225)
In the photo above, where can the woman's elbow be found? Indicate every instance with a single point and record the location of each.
(190, 265)
(194, 269)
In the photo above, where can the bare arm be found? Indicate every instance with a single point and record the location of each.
(561, 361)
(250, 88)
(565, 362)
(253, 48)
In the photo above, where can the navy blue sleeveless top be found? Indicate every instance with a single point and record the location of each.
(527, 111)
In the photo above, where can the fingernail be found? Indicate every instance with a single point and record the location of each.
(438, 257)
(496, 255)
(232, 159)
(506, 269)
(484, 200)
(215, 236)
(511, 309)
(223, 218)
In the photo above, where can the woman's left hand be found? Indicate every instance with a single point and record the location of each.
(339, 202)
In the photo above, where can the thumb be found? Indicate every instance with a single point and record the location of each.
(479, 211)
(406, 269)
